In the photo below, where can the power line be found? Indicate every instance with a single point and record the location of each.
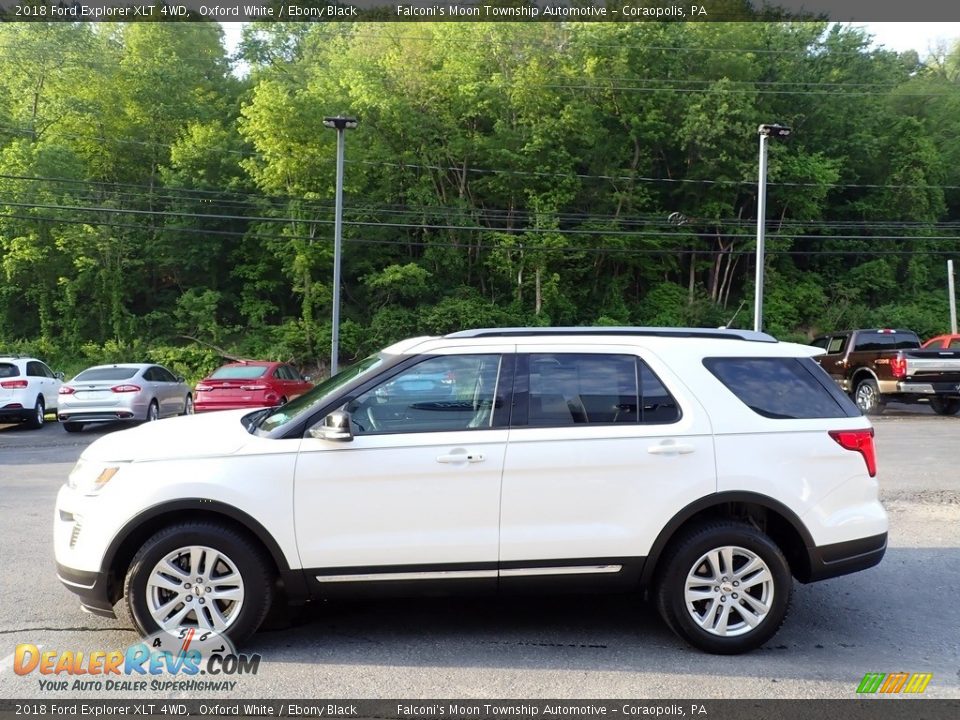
(405, 244)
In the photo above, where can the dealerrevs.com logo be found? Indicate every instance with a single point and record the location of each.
(894, 683)
(188, 659)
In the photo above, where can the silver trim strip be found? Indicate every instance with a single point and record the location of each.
(471, 574)
(437, 575)
(568, 570)
(73, 584)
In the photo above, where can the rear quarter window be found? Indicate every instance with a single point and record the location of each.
(782, 388)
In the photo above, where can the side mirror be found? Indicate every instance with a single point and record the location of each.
(335, 426)
(58, 375)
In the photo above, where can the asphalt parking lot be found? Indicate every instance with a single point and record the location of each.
(900, 616)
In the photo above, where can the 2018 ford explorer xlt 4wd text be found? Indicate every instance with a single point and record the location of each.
(703, 467)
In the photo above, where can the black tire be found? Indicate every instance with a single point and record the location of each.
(35, 421)
(945, 406)
(72, 427)
(243, 555)
(868, 398)
(153, 412)
(188, 405)
(685, 558)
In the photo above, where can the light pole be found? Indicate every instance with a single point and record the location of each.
(340, 124)
(765, 131)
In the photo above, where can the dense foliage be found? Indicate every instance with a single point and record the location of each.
(156, 203)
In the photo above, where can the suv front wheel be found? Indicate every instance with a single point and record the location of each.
(725, 587)
(202, 575)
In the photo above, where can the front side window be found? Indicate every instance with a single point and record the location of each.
(836, 344)
(782, 388)
(573, 389)
(446, 393)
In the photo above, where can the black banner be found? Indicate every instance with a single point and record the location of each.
(478, 10)
(879, 708)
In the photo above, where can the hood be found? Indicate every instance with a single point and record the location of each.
(205, 435)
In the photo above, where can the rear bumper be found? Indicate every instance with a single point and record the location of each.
(91, 587)
(15, 415)
(843, 558)
(88, 416)
(919, 388)
(200, 407)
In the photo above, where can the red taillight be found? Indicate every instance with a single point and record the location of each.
(251, 388)
(860, 441)
(65, 390)
(898, 365)
(13, 384)
(204, 388)
(125, 388)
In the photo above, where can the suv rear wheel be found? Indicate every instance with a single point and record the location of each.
(725, 587)
(36, 419)
(202, 575)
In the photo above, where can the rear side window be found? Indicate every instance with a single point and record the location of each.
(596, 389)
(782, 388)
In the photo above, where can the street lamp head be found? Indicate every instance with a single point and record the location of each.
(774, 130)
(340, 123)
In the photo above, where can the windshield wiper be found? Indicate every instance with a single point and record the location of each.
(253, 421)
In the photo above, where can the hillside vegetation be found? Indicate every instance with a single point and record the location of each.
(154, 203)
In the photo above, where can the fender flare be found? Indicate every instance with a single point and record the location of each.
(734, 496)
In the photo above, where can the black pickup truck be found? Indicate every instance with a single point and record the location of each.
(884, 365)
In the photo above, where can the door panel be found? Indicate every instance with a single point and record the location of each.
(603, 489)
(395, 499)
(416, 492)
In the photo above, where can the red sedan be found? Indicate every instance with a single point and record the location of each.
(249, 384)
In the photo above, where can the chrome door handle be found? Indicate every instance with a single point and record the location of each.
(670, 448)
(461, 457)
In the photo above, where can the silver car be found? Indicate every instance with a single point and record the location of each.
(132, 391)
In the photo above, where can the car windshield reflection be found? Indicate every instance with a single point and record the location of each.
(308, 402)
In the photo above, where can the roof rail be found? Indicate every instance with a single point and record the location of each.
(703, 333)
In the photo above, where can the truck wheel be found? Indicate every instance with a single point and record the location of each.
(868, 398)
(945, 406)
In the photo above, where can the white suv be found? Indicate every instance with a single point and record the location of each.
(704, 467)
(28, 390)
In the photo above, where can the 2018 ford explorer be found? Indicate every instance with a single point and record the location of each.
(706, 468)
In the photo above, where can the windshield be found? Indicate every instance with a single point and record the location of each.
(308, 402)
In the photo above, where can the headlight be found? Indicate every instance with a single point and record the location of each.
(90, 477)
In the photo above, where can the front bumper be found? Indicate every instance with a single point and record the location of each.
(91, 587)
(843, 558)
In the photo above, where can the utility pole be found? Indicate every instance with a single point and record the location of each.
(765, 131)
(340, 124)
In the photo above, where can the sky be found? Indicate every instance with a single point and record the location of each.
(899, 36)
(919, 36)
